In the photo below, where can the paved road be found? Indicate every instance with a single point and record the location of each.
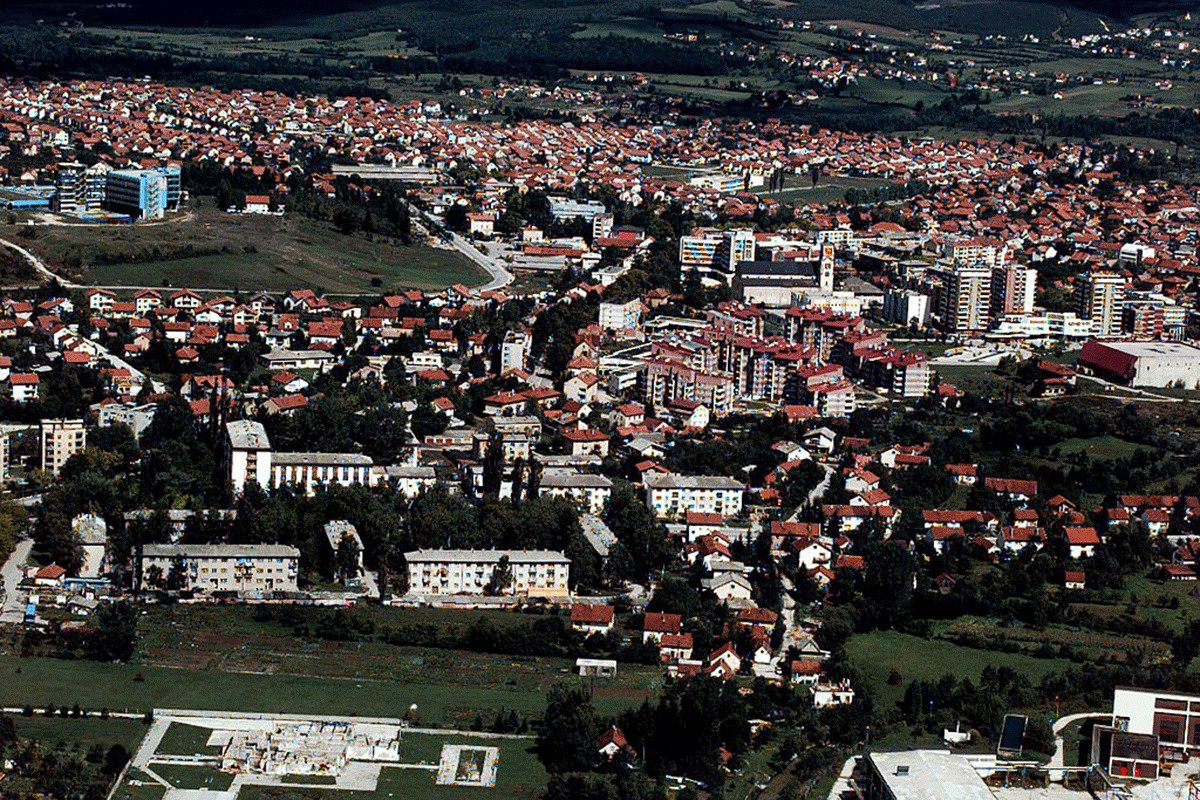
(1058, 760)
(13, 613)
(817, 492)
(501, 277)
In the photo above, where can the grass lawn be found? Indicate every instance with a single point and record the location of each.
(184, 776)
(230, 251)
(186, 740)
(80, 733)
(40, 681)
(877, 654)
(1105, 448)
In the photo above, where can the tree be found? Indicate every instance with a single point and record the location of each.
(115, 634)
(501, 579)
(567, 737)
(347, 559)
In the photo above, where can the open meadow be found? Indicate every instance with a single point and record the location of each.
(209, 249)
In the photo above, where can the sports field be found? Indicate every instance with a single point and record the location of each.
(211, 249)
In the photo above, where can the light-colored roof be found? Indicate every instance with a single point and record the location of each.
(659, 481)
(219, 551)
(561, 480)
(321, 459)
(246, 434)
(486, 556)
(930, 775)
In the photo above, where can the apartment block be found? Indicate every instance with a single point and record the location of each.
(242, 568)
(532, 573)
(61, 439)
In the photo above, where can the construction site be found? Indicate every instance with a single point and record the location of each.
(204, 755)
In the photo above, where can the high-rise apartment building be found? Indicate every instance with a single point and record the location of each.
(966, 299)
(1100, 298)
(1014, 288)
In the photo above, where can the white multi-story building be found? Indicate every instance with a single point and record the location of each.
(409, 481)
(61, 439)
(136, 417)
(674, 495)
(245, 568)
(590, 492)
(514, 350)
(904, 307)
(249, 454)
(1100, 297)
(621, 316)
(532, 573)
(250, 459)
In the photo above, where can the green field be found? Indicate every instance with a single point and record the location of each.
(211, 249)
(42, 681)
(80, 733)
(877, 654)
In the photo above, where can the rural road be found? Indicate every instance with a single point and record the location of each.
(13, 613)
(37, 264)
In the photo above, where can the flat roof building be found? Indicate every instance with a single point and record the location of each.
(1154, 364)
(923, 775)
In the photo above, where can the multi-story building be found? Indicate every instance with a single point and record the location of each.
(715, 254)
(243, 568)
(514, 350)
(976, 252)
(531, 573)
(666, 380)
(141, 193)
(904, 307)
(1014, 288)
(248, 458)
(251, 459)
(307, 471)
(674, 495)
(590, 492)
(966, 299)
(1151, 319)
(1100, 298)
(621, 316)
(61, 439)
(135, 417)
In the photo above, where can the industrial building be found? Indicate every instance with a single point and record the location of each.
(1150, 364)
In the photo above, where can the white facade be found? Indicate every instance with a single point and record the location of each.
(621, 316)
(590, 492)
(250, 568)
(535, 573)
(675, 495)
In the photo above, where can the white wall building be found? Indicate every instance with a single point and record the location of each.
(534, 573)
(590, 492)
(675, 495)
(246, 568)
